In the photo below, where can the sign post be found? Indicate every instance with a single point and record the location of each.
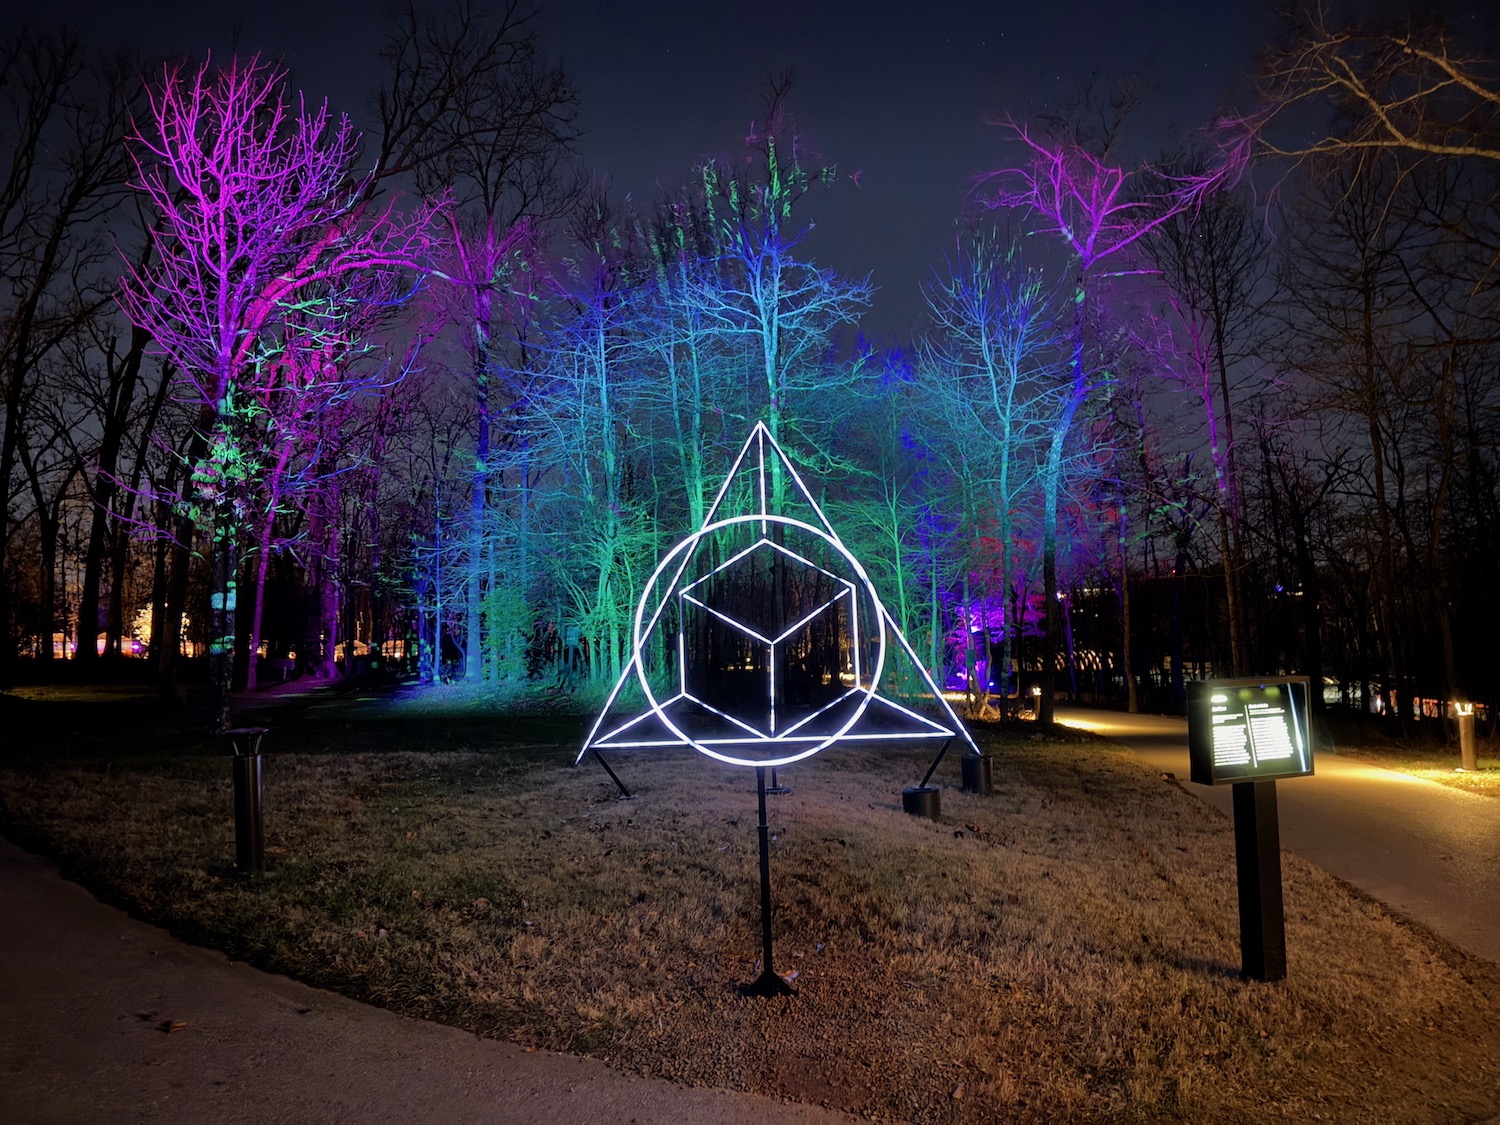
(1247, 733)
(1257, 861)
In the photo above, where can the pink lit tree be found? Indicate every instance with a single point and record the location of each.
(329, 371)
(1100, 211)
(258, 212)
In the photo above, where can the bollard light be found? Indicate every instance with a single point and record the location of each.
(1468, 754)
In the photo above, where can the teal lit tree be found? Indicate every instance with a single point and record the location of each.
(990, 366)
(768, 295)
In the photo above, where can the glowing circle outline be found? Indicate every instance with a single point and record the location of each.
(685, 547)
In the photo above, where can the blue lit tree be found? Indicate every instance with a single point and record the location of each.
(990, 364)
(766, 294)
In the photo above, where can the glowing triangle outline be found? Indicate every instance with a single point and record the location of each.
(760, 436)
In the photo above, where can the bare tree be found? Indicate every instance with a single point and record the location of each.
(474, 109)
(62, 168)
(259, 211)
(768, 295)
(1210, 260)
(991, 363)
(1407, 89)
(1100, 211)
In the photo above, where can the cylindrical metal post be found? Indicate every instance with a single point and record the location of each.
(249, 823)
(922, 800)
(979, 774)
(1466, 749)
(249, 832)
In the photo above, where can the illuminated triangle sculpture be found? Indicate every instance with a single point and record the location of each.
(819, 624)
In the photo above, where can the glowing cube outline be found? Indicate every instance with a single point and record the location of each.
(848, 589)
(760, 437)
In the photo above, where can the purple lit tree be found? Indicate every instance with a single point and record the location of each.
(305, 410)
(1099, 211)
(259, 211)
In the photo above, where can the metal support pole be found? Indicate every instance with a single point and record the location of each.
(625, 794)
(1257, 857)
(947, 742)
(768, 983)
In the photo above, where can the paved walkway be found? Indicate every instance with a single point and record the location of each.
(1431, 851)
(87, 995)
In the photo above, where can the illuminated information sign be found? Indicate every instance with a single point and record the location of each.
(1248, 730)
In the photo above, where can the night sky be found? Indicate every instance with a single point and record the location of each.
(899, 94)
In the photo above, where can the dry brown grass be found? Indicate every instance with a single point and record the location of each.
(1064, 949)
(1425, 754)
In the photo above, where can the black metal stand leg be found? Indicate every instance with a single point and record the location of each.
(1257, 855)
(768, 983)
(776, 788)
(625, 794)
(933, 768)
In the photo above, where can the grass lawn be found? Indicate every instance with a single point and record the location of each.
(1064, 949)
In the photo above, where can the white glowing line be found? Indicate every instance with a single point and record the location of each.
(807, 562)
(760, 444)
(854, 627)
(761, 735)
(723, 488)
(889, 702)
(587, 742)
(814, 613)
(806, 495)
(947, 707)
(761, 435)
(623, 727)
(778, 741)
(667, 597)
(819, 711)
(740, 625)
(681, 656)
(757, 545)
(772, 665)
(685, 548)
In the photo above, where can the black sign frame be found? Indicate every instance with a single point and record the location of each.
(1258, 701)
